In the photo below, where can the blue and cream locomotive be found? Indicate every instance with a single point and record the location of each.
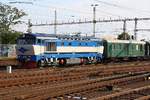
(37, 49)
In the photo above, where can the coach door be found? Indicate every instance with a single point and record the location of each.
(130, 49)
(147, 49)
(126, 50)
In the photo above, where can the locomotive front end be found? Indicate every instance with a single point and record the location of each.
(25, 51)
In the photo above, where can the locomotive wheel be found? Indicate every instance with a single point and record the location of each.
(95, 61)
(99, 60)
(62, 62)
(40, 64)
(83, 61)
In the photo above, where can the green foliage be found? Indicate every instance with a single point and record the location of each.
(9, 37)
(124, 36)
(9, 16)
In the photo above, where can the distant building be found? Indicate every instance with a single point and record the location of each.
(7, 50)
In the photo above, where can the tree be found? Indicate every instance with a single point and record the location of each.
(9, 37)
(124, 36)
(9, 16)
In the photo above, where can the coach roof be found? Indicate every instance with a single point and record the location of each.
(126, 41)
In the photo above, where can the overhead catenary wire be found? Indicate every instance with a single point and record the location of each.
(86, 12)
(89, 13)
(123, 7)
(20, 2)
(74, 10)
(99, 12)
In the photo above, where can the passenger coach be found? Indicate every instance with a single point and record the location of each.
(147, 49)
(48, 49)
(120, 49)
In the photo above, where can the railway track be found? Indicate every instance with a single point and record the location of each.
(10, 80)
(34, 72)
(142, 93)
(52, 91)
(144, 98)
(44, 84)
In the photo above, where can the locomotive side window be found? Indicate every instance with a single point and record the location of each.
(69, 44)
(51, 46)
(79, 44)
(62, 44)
(99, 44)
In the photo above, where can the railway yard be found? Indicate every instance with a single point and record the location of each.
(74, 50)
(118, 81)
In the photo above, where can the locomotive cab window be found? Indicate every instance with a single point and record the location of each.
(51, 46)
(39, 41)
(24, 41)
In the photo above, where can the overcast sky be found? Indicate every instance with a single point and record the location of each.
(43, 11)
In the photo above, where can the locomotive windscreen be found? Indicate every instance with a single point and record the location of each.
(26, 39)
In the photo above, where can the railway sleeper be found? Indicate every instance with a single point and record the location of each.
(76, 88)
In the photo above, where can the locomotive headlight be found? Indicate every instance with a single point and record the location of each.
(28, 58)
(24, 57)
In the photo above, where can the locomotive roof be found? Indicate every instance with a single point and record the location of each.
(62, 36)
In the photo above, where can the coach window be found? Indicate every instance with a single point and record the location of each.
(137, 47)
(112, 46)
(120, 46)
(133, 47)
(141, 47)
